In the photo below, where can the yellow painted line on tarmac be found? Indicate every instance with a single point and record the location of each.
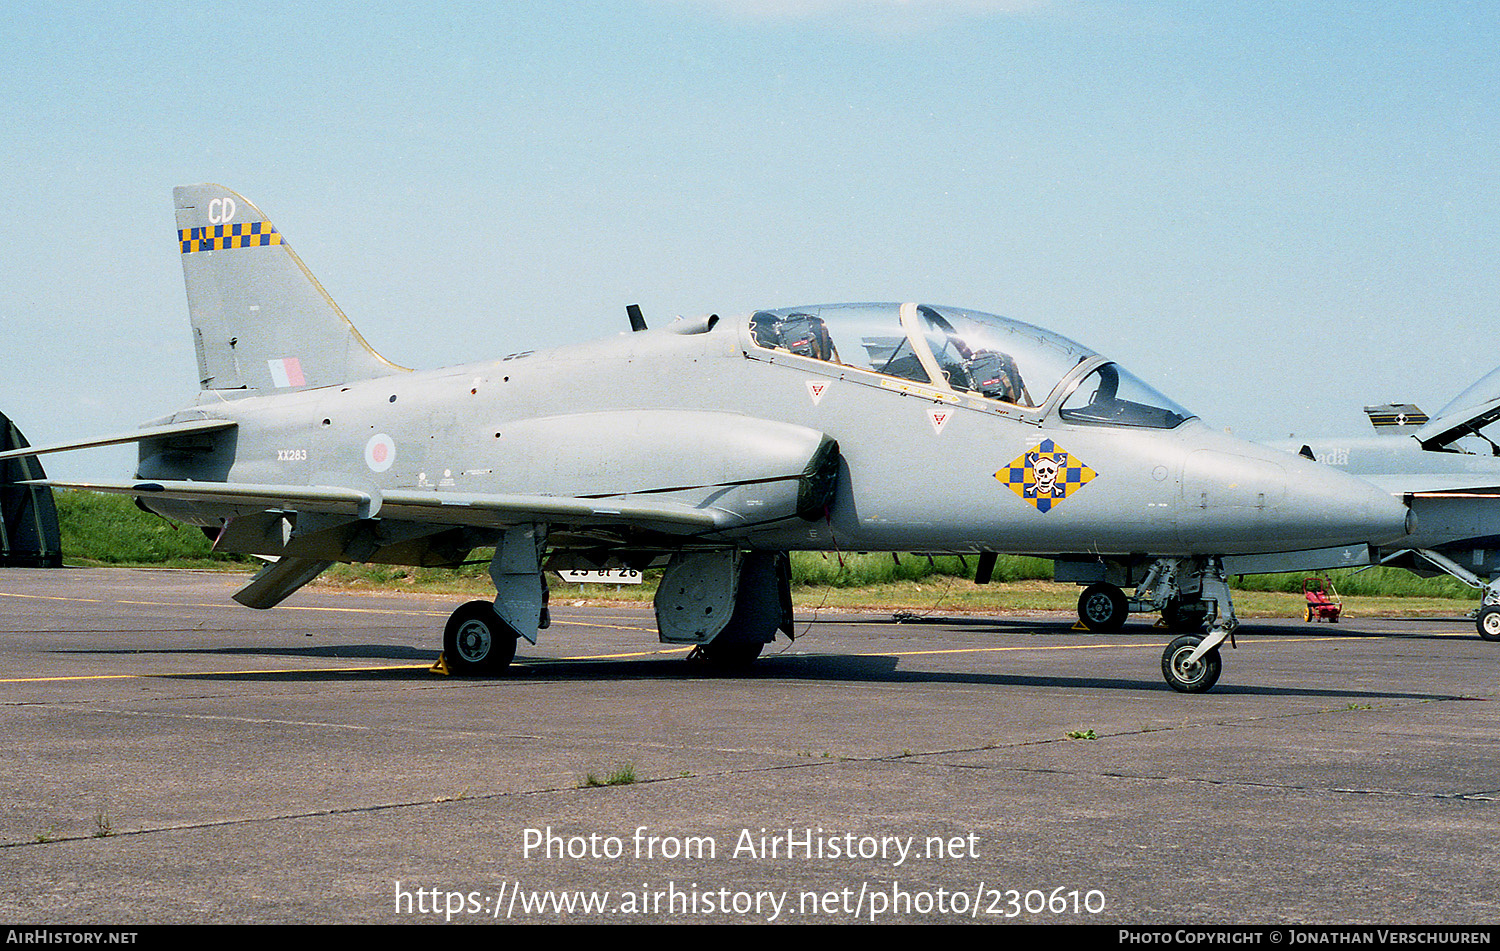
(318, 670)
(552, 660)
(995, 650)
(293, 607)
(1355, 638)
(613, 627)
(218, 673)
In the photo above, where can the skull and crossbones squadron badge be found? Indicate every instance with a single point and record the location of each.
(1045, 475)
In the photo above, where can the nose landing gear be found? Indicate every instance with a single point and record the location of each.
(1193, 598)
(1186, 674)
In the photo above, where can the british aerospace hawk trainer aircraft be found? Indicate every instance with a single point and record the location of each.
(711, 447)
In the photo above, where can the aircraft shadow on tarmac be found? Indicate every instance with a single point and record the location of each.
(826, 668)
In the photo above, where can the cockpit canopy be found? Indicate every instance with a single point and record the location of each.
(968, 352)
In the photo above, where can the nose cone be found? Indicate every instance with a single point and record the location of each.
(1248, 499)
(1336, 505)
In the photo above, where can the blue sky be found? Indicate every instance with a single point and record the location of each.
(1275, 213)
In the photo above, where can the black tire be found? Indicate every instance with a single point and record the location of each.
(1489, 622)
(731, 655)
(1198, 677)
(476, 641)
(1181, 619)
(1102, 608)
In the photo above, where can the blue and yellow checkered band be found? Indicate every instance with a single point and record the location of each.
(1045, 476)
(254, 234)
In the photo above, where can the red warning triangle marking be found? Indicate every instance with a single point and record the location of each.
(816, 389)
(940, 419)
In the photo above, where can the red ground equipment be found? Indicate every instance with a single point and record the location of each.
(1323, 601)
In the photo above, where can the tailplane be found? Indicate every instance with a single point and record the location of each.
(261, 321)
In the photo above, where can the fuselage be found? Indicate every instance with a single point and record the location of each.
(921, 467)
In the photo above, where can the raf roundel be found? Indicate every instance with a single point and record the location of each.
(380, 452)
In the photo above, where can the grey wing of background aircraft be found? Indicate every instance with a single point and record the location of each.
(1448, 471)
(709, 447)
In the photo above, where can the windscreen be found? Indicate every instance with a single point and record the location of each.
(1111, 396)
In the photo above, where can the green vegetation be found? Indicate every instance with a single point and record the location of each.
(1371, 582)
(622, 775)
(827, 569)
(1083, 735)
(109, 530)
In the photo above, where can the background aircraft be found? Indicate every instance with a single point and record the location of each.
(709, 447)
(1448, 470)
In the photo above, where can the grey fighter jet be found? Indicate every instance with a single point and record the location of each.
(709, 447)
(1448, 470)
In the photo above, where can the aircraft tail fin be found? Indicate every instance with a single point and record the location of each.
(260, 320)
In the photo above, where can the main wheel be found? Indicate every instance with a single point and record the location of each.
(477, 641)
(1185, 677)
(1489, 622)
(1181, 618)
(1103, 608)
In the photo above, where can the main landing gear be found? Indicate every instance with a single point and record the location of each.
(480, 637)
(725, 603)
(477, 642)
(1103, 608)
(1487, 618)
(1193, 598)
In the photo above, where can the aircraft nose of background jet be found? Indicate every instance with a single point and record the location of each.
(1266, 500)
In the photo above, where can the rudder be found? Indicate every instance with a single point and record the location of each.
(260, 320)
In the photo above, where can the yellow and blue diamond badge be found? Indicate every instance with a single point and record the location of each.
(1046, 475)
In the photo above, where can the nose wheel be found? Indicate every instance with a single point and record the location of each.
(1186, 674)
(1489, 622)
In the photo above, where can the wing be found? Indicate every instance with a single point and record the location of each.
(135, 435)
(792, 474)
(445, 508)
(308, 528)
